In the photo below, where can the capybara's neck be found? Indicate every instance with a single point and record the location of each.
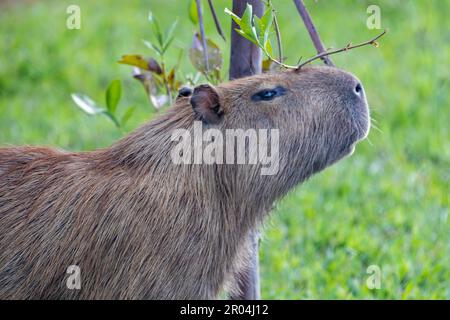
(146, 154)
(202, 212)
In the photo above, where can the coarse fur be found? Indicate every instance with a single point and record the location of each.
(141, 227)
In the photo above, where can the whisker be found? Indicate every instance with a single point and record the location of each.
(374, 124)
(374, 120)
(376, 127)
(374, 114)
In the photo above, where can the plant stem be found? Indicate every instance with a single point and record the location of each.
(113, 119)
(326, 53)
(166, 84)
(287, 66)
(312, 31)
(216, 20)
(277, 31)
(202, 33)
(346, 48)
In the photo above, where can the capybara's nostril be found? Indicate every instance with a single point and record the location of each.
(358, 89)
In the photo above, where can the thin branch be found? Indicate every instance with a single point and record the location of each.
(216, 20)
(312, 31)
(281, 64)
(346, 48)
(277, 31)
(202, 33)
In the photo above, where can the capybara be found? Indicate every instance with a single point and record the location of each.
(139, 226)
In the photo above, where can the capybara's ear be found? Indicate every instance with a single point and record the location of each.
(206, 104)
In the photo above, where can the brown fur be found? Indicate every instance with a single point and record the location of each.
(140, 227)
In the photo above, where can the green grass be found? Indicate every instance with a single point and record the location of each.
(387, 205)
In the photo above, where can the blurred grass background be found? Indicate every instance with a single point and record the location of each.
(387, 205)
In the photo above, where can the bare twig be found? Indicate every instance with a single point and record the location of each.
(327, 53)
(281, 64)
(312, 31)
(346, 48)
(202, 33)
(277, 31)
(216, 20)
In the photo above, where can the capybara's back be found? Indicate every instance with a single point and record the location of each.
(23, 179)
(53, 213)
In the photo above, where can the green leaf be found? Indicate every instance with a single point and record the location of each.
(266, 23)
(268, 48)
(247, 29)
(193, 13)
(111, 117)
(166, 45)
(257, 25)
(127, 115)
(169, 35)
(156, 29)
(113, 94)
(246, 20)
(254, 34)
(246, 36)
(233, 16)
(153, 47)
(86, 104)
(134, 60)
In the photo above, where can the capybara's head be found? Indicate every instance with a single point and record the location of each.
(320, 113)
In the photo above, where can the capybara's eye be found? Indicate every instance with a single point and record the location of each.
(268, 94)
